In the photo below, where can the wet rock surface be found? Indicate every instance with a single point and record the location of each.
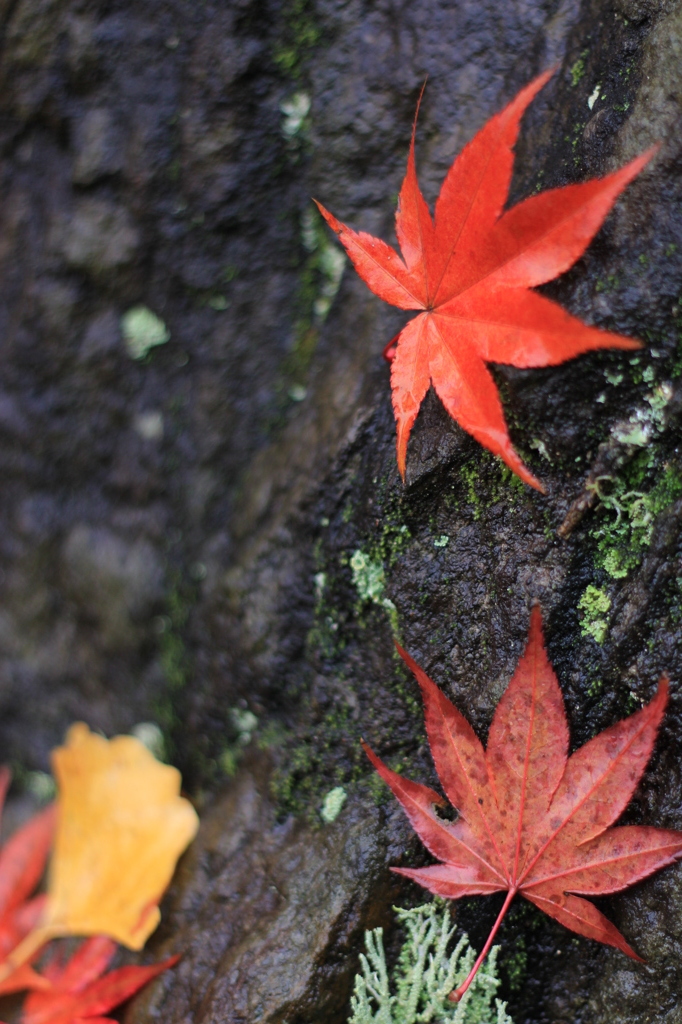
(183, 535)
(270, 915)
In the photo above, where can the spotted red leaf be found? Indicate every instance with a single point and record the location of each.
(533, 820)
(470, 269)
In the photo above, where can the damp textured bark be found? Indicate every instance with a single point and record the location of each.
(212, 529)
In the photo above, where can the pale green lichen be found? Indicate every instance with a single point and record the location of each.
(319, 281)
(594, 96)
(368, 577)
(245, 722)
(644, 423)
(442, 541)
(326, 257)
(151, 736)
(331, 263)
(623, 536)
(595, 605)
(369, 580)
(541, 448)
(295, 110)
(149, 425)
(142, 331)
(41, 786)
(333, 804)
(424, 976)
(633, 499)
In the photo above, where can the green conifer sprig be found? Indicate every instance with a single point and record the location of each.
(424, 976)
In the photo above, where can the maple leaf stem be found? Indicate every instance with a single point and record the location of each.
(457, 994)
(390, 349)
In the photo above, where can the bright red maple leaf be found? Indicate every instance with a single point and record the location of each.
(79, 993)
(533, 820)
(22, 863)
(470, 268)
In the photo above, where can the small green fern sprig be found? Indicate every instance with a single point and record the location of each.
(424, 976)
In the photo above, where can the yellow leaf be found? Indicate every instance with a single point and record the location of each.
(122, 825)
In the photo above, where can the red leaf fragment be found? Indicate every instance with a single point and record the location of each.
(24, 977)
(23, 858)
(17, 923)
(80, 993)
(22, 864)
(533, 820)
(468, 270)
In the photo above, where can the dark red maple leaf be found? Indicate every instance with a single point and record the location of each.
(533, 820)
(78, 992)
(469, 270)
(22, 863)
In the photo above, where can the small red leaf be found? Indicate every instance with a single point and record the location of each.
(87, 964)
(469, 270)
(79, 993)
(22, 863)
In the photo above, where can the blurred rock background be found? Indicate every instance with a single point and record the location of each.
(202, 525)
